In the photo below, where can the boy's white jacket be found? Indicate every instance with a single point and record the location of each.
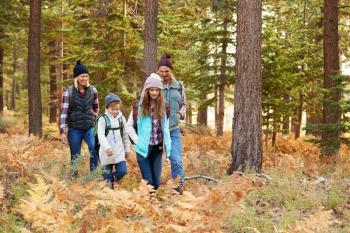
(119, 145)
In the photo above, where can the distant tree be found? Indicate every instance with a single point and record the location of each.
(34, 93)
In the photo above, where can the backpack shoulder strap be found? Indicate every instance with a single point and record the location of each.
(108, 124)
(121, 126)
(181, 88)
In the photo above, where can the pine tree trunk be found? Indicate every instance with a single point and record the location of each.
(313, 113)
(285, 127)
(34, 95)
(150, 37)
(331, 109)
(202, 117)
(124, 39)
(247, 134)
(274, 126)
(53, 82)
(1, 80)
(65, 72)
(14, 73)
(299, 115)
(53, 94)
(216, 106)
(189, 113)
(222, 82)
(267, 133)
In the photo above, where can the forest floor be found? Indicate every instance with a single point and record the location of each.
(37, 193)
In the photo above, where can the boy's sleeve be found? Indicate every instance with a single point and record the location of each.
(130, 128)
(101, 134)
(126, 140)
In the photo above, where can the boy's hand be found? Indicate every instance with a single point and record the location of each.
(64, 138)
(109, 152)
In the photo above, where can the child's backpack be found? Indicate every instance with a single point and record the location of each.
(107, 129)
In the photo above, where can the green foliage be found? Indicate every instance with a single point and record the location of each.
(292, 58)
(343, 106)
(5, 123)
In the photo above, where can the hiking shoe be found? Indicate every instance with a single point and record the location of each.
(110, 184)
(179, 189)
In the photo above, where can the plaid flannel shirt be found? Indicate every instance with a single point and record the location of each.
(156, 133)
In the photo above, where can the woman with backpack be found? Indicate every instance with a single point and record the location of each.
(152, 136)
(175, 100)
(79, 109)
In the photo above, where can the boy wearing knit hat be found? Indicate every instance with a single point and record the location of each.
(152, 136)
(114, 141)
(79, 108)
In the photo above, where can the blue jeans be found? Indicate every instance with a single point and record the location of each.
(176, 155)
(75, 139)
(120, 171)
(151, 166)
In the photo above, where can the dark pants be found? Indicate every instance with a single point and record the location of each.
(75, 139)
(120, 171)
(151, 166)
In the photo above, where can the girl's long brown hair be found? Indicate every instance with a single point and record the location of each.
(158, 111)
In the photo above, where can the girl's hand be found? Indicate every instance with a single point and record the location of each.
(109, 152)
(167, 156)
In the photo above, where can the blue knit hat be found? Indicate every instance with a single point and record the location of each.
(111, 97)
(79, 69)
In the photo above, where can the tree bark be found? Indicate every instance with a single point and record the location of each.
(216, 105)
(274, 126)
(267, 133)
(150, 37)
(222, 81)
(65, 72)
(34, 94)
(124, 39)
(286, 121)
(189, 113)
(14, 73)
(53, 82)
(1, 80)
(202, 117)
(331, 108)
(247, 133)
(299, 115)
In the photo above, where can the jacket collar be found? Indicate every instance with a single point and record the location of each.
(112, 117)
(173, 83)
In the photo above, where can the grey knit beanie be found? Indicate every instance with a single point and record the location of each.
(154, 80)
(111, 97)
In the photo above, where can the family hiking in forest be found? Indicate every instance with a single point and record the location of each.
(153, 126)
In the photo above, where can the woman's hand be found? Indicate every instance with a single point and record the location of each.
(64, 138)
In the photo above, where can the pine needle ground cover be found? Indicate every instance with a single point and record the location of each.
(38, 193)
